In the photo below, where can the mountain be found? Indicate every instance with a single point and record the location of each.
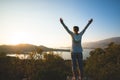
(21, 48)
(44, 48)
(102, 43)
(24, 48)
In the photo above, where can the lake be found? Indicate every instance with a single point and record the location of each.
(64, 55)
(67, 55)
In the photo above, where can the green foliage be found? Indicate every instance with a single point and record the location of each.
(104, 64)
(2, 54)
(52, 67)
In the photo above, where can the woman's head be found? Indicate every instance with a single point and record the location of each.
(76, 29)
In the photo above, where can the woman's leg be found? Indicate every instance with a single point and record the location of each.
(80, 63)
(74, 65)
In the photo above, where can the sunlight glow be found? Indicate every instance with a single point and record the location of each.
(37, 21)
(19, 37)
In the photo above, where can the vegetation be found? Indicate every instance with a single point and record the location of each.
(52, 67)
(104, 64)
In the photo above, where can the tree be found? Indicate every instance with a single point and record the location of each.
(54, 68)
(104, 64)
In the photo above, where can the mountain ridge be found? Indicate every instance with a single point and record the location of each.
(102, 43)
(23, 48)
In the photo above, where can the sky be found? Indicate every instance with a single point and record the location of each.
(37, 21)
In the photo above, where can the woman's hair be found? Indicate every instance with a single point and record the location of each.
(76, 27)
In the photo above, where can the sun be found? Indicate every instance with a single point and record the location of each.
(19, 37)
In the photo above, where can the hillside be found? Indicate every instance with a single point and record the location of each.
(102, 43)
(24, 48)
(21, 48)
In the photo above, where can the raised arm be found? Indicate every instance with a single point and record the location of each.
(66, 28)
(89, 22)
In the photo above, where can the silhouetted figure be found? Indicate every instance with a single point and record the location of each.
(76, 50)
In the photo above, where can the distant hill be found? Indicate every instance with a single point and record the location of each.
(21, 48)
(102, 43)
(24, 48)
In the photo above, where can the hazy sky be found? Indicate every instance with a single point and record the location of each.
(37, 21)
